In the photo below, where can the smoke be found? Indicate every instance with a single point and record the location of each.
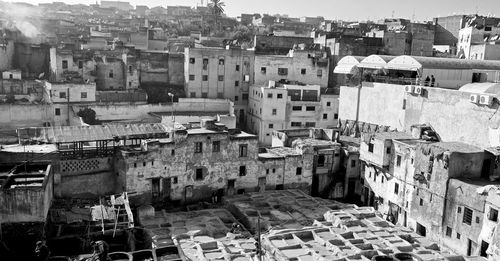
(22, 17)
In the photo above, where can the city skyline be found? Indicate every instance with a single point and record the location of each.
(370, 11)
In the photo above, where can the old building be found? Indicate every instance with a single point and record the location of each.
(475, 35)
(220, 73)
(288, 106)
(278, 45)
(307, 64)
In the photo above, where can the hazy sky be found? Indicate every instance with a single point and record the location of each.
(335, 9)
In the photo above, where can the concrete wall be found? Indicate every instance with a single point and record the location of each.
(17, 116)
(103, 79)
(132, 111)
(380, 104)
(6, 55)
(485, 52)
(73, 92)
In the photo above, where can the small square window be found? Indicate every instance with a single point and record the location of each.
(198, 147)
(204, 95)
(493, 215)
(80, 64)
(296, 108)
(263, 70)
(267, 171)
(398, 160)
(191, 77)
(269, 95)
(328, 104)
(111, 74)
(62, 95)
(220, 95)
(458, 235)
(175, 180)
(236, 83)
(221, 61)
(388, 150)
(335, 116)
(220, 78)
(275, 111)
(320, 73)
(237, 67)
(192, 94)
(135, 165)
(205, 64)
(57, 111)
(353, 163)
(65, 64)
(271, 125)
(302, 71)
(192, 60)
(279, 96)
(396, 188)
(236, 98)
(310, 108)
(172, 153)
(298, 171)
(310, 124)
(243, 150)
(204, 78)
(370, 147)
(325, 116)
(282, 71)
(83, 95)
(216, 146)
(244, 96)
(448, 231)
(421, 202)
(274, 170)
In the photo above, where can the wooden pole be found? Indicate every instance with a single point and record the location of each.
(116, 220)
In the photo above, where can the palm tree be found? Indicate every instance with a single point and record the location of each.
(217, 7)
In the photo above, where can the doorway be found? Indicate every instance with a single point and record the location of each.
(230, 187)
(166, 188)
(262, 184)
(351, 188)
(485, 171)
(484, 248)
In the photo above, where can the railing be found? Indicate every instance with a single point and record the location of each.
(392, 80)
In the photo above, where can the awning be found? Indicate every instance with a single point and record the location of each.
(404, 63)
(346, 69)
(375, 61)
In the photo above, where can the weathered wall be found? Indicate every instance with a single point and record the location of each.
(104, 70)
(454, 117)
(380, 104)
(6, 55)
(17, 116)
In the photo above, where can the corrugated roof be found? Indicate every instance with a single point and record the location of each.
(67, 134)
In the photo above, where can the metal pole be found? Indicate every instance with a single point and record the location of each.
(258, 239)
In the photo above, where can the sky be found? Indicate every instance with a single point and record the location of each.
(334, 9)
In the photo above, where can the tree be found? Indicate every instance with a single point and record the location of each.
(243, 34)
(88, 116)
(217, 8)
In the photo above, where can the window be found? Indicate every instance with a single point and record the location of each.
(404, 104)
(58, 111)
(274, 170)
(310, 124)
(236, 98)
(65, 64)
(191, 77)
(130, 69)
(353, 163)
(279, 96)
(370, 147)
(111, 74)
(296, 124)
(172, 153)
(144, 164)
(243, 150)
(221, 78)
(302, 71)
(271, 125)
(398, 160)
(152, 163)
(237, 67)
(192, 94)
(220, 95)
(244, 96)
(298, 171)
(320, 73)
(467, 216)
(459, 210)
(221, 61)
(270, 95)
(263, 70)
(310, 108)
(321, 160)
(448, 231)
(192, 60)
(243, 171)
(216, 146)
(267, 171)
(205, 64)
(199, 174)
(11, 76)
(135, 165)
(335, 116)
(175, 180)
(396, 188)
(80, 64)
(421, 202)
(129, 84)
(388, 150)
(204, 95)
(296, 108)
(62, 95)
(204, 78)
(493, 214)
(325, 116)
(198, 147)
(477, 220)
(275, 111)
(236, 83)
(282, 71)
(83, 95)
(458, 235)
(328, 104)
